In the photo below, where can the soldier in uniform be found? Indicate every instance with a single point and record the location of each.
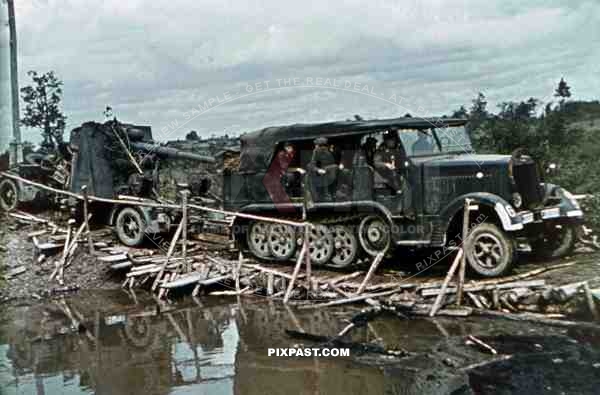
(323, 168)
(389, 158)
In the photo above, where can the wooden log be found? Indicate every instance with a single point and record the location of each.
(352, 299)
(590, 301)
(482, 344)
(15, 272)
(475, 300)
(501, 280)
(114, 258)
(490, 287)
(37, 233)
(184, 231)
(84, 192)
(345, 277)
(238, 270)
(370, 273)
(307, 260)
(438, 300)
(271, 270)
(169, 254)
(183, 281)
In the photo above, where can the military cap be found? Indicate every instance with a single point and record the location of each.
(321, 140)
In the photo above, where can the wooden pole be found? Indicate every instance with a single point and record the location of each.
(463, 261)
(85, 219)
(307, 260)
(370, 273)
(169, 253)
(184, 230)
(14, 84)
(440, 297)
(290, 287)
(238, 270)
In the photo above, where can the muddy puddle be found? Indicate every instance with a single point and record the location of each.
(112, 342)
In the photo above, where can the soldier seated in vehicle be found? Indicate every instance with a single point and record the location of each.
(370, 147)
(388, 161)
(323, 171)
(423, 144)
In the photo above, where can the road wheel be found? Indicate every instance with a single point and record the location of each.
(282, 241)
(257, 239)
(490, 252)
(346, 246)
(374, 235)
(557, 241)
(320, 244)
(130, 227)
(9, 195)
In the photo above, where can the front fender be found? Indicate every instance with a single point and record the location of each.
(510, 220)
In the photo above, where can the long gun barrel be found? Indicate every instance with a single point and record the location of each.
(171, 152)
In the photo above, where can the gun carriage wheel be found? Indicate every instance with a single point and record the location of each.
(130, 226)
(9, 194)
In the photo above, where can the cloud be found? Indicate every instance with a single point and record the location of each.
(154, 60)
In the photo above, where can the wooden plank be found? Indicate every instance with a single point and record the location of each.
(442, 291)
(15, 272)
(490, 287)
(370, 273)
(121, 265)
(183, 281)
(114, 258)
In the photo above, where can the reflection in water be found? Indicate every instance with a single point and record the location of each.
(115, 343)
(110, 343)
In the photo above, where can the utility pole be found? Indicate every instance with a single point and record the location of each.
(16, 151)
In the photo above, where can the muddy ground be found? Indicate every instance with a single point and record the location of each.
(38, 319)
(87, 272)
(34, 284)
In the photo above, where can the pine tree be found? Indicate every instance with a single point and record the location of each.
(563, 90)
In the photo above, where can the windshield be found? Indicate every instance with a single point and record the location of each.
(425, 141)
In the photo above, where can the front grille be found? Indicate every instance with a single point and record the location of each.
(528, 181)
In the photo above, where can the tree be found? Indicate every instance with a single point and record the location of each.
(460, 113)
(562, 90)
(478, 110)
(42, 107)
(192, 136)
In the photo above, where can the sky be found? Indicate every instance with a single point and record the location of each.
(232, 66)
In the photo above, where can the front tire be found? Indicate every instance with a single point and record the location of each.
(489, 251)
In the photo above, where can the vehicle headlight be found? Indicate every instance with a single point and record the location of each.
(517, 200)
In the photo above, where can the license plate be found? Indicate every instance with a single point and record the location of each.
(551, 213)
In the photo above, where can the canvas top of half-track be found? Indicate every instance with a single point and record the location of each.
(334, 241)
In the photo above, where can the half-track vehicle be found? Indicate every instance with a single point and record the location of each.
(364, 214)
